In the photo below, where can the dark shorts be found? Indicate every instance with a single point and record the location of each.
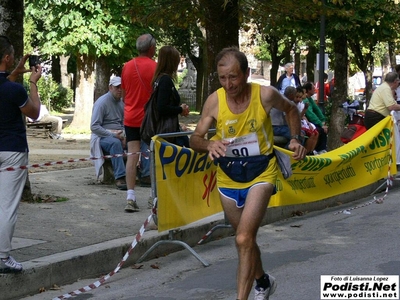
(371, 118)
(132, 133)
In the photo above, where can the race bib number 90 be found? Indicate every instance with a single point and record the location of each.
(246, 145)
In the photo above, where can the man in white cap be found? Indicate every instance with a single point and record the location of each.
(107, 126)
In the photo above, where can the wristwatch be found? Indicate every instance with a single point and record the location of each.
(297, 137)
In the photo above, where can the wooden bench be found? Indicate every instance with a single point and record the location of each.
(38, 129)
(108, 171)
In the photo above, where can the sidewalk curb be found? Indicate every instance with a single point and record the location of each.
(100, 259)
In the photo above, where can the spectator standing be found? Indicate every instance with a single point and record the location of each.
(14, 102)
(56, 122)
(316, 117)
(137, 75)
(108, 134)
(288, 79)
(168, 99)
(382, 101)
(278, 118)
(397, 90)
(327, 88)
(240, 111)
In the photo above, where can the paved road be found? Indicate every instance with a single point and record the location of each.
(297, 251)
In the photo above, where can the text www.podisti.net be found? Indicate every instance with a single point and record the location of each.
(363, 287)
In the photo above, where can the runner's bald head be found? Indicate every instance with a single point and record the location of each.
(235, 53)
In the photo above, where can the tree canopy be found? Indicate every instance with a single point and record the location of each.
(107, 30)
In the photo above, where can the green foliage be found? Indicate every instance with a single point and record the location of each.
(29, 29)
(53, 95)
(70, 130)
(82, 27)
(262, 52)
(181, 76)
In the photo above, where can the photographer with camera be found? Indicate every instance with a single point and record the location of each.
(14, 102)
(44, 116)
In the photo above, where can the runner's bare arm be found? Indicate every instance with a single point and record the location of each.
(209, 115)
(270, 97)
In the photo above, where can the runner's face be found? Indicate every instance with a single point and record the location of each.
(231, 77)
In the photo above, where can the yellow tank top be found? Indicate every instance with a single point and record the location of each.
(249, 132)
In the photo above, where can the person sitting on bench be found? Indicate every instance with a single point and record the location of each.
(56, 122)
(107, 126)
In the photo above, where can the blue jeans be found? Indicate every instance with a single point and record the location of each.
(145, 160)
(282, 130)
(112, 146)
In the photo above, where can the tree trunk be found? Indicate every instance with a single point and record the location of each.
(103, 71)
(198, 63)
(365, 61)
(204, 81)
(56, 69)
(274, 70)
(392, 54)
(310, 62)
(65, 77)
(297, 63)
(84, 93)
(339, 94)
(222, 30)
(276, 58)
(368, 72)
(12, 26)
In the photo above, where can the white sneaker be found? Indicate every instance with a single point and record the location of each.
(9, 265)
(131, 206)
(263, 294)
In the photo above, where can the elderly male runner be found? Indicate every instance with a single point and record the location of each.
(241, 112)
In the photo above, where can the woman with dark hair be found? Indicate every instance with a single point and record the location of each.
(168, 99)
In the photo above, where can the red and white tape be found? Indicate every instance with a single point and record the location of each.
(101, 281)
(46, 164)
(134, 242)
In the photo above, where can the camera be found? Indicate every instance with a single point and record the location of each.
(34, 60)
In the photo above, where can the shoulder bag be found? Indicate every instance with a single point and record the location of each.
(153, 123)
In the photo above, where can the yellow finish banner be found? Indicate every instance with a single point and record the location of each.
(186, 184)
(359, 163)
